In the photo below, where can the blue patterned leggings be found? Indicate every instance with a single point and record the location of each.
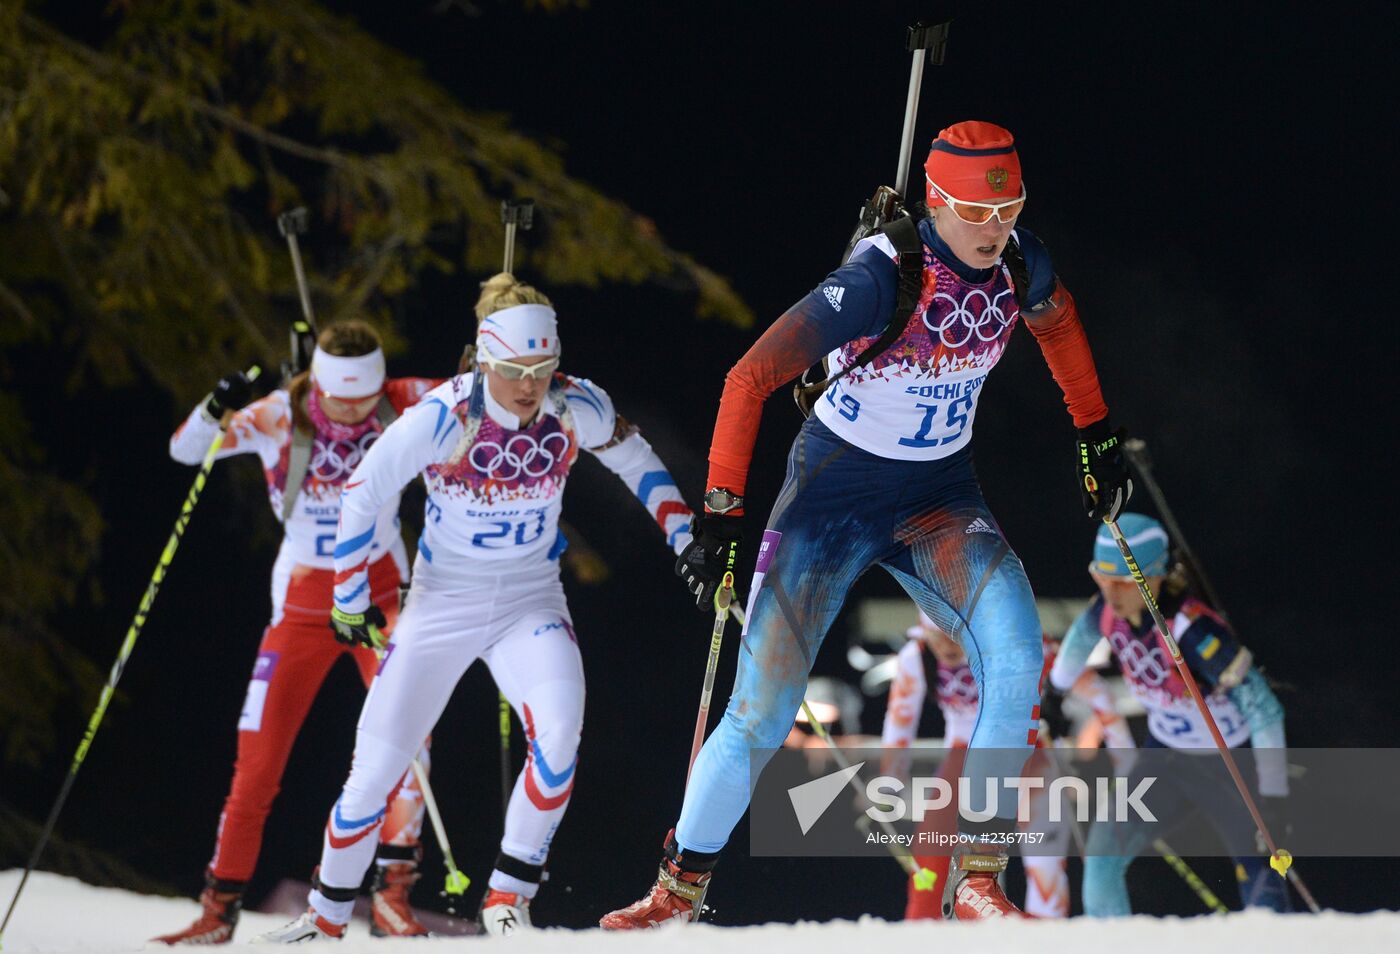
(843, 510)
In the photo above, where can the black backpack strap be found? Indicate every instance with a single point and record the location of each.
(384, 410)
(298, 462)
(903, 233)
(1015, 261)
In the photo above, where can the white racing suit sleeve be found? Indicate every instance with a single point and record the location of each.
(256, 429)
(1074, 652)
(424, 435)
(641, 470)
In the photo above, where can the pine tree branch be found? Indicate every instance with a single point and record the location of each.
(351, 304)
(225, 285)
(101, 61)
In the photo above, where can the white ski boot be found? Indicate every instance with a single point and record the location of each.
(309, 927)
(504, 913)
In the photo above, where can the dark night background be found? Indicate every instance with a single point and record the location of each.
(1210, 181)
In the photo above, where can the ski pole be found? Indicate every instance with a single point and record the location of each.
(128, 644)
(303, 331)
(1136, 450)
(457, 882)
(1279, 858)
(1193, 881)
(507, 777)
(1054, 752)
(724, 599)
(924, 878)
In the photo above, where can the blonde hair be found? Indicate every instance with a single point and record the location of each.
(504, 290)
(345, 339)
(500, 291)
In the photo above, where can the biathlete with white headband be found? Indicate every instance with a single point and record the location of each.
(495, 447)
(319, 427)
(882, 475)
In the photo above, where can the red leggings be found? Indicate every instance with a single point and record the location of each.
(293, 659)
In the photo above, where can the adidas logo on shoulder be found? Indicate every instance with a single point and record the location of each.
(833, 295)
(980, 526)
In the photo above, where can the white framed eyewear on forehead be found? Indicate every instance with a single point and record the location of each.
(514, 370)
(979, 213)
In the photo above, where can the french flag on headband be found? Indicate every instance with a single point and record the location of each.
(521, 330)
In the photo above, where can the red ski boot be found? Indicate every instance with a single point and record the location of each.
(390, 913)
(972, 892)
(221, 900)
(678, 894)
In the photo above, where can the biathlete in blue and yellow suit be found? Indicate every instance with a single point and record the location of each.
(1244, 709)
(882, 474)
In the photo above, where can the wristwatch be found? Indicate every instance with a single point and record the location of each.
(719, 500)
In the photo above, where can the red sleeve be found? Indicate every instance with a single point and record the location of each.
(784, 351)
(1066, 351)
(403, 393)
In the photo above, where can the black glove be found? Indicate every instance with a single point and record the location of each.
(714, 549)
(1052, 711)
(231, 393)
(359, 629)
(1102, 467)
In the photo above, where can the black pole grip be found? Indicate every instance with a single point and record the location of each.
(518, 212)
(931, 37)
(293, 222)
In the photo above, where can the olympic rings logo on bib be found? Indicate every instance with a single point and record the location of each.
(334, 461)
(961, 323)
(1145, 665)
(521, 456)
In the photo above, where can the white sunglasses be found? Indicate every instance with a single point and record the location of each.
(514, 370)
(978, 213)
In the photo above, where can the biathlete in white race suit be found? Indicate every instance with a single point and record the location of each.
(882, 474)
(338, 405)
(495, 447)
(931, 662)
(1244, 708)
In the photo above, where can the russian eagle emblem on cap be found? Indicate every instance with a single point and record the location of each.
(996, 178)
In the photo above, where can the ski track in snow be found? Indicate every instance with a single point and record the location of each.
(65, 916)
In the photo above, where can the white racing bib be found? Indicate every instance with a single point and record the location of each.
(916, 400)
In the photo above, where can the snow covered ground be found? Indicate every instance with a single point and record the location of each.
(60, 914)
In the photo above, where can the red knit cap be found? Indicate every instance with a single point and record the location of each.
(975, 162)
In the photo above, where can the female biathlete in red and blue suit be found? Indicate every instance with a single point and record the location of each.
(882, 474)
